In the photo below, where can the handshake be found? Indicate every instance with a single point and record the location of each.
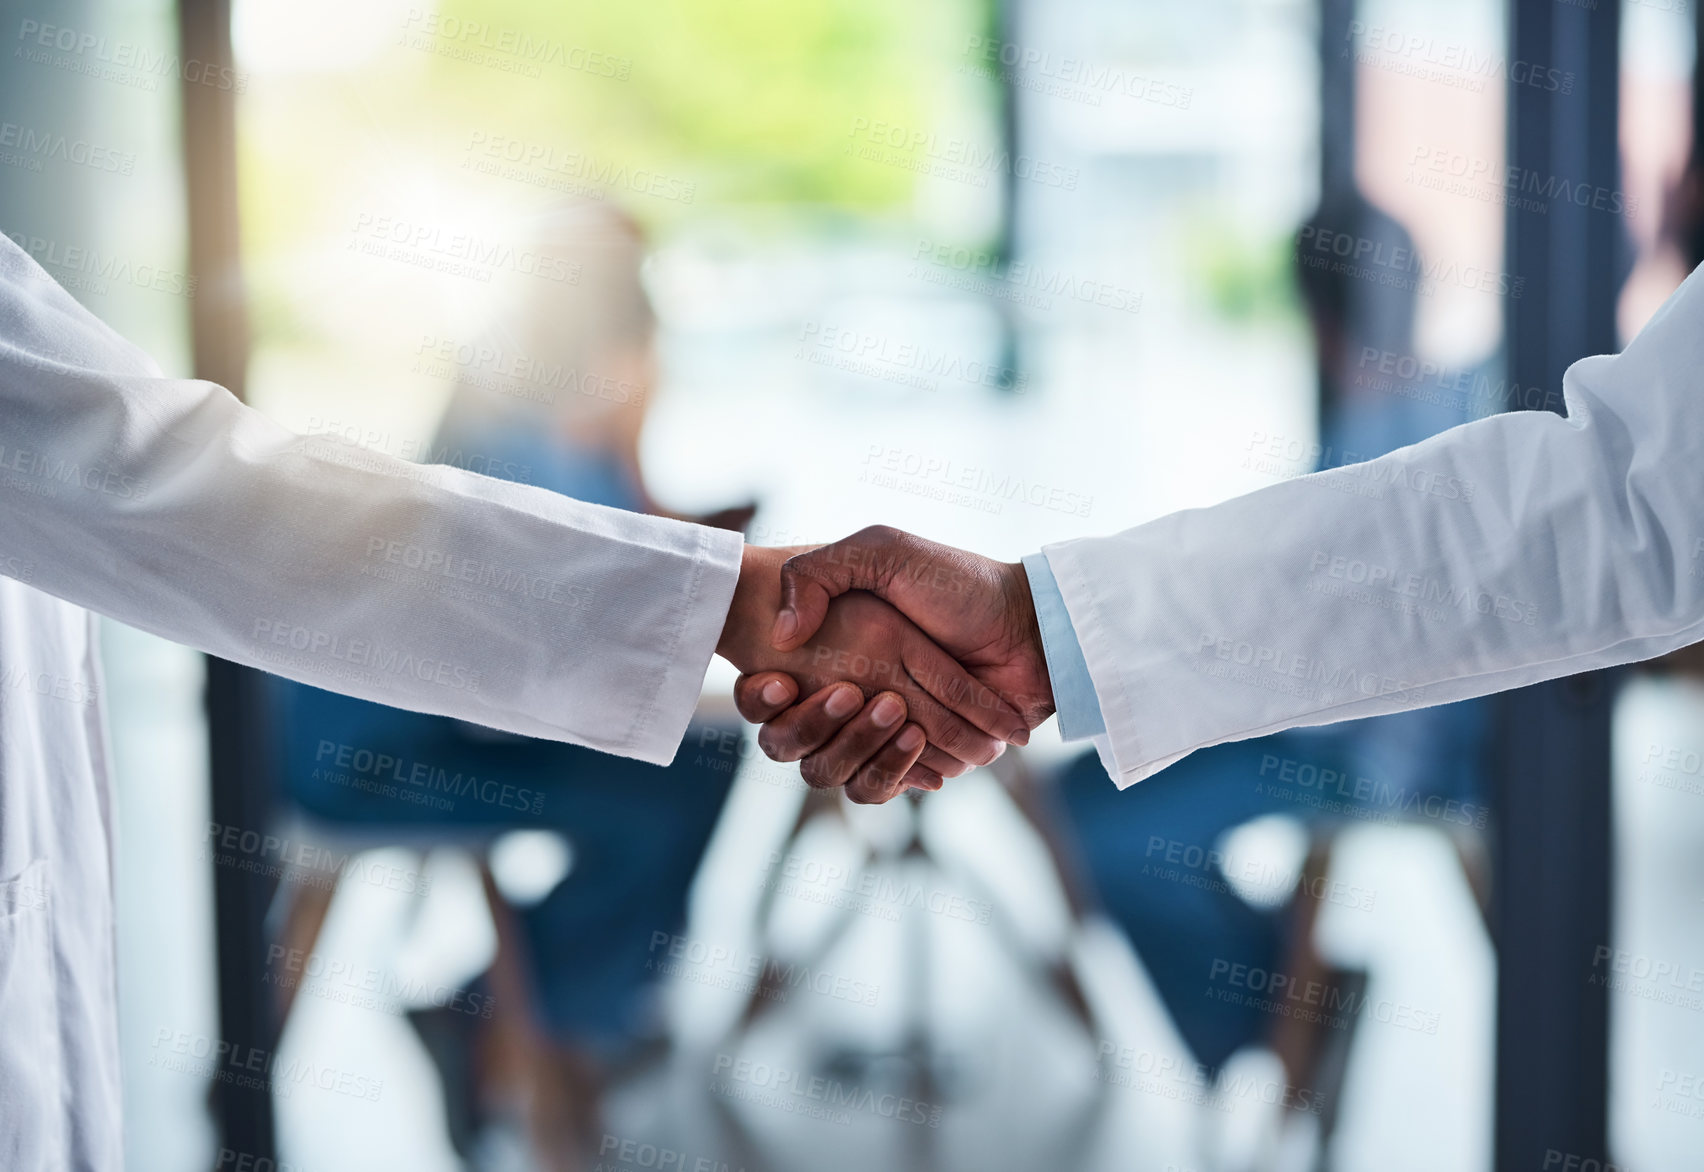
(884, 662)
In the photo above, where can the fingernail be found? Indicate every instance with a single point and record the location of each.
(785, 624)
(887, 712)
(909, 740)
(1020, 737)
(774, 692)
(843, 703)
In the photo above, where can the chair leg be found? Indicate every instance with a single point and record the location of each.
(303, 922)
(556, 1089)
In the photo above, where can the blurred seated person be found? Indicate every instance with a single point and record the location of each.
(1147, 849)
(555, 395)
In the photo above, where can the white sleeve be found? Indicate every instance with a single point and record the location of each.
(1500, 553)
(167, 504)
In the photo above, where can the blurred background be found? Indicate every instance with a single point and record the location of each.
(1003, 273)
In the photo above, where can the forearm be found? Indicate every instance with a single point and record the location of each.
(168, 505)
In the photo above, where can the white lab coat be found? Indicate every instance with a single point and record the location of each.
(168, 505)
(1515, 549)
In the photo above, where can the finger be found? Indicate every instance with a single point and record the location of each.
(763, 696)
(883, 775)
(857, 744)
(944, 678)
(809, 724)
(950, 732)
(942, 763)
(810, 581)
(920, 776)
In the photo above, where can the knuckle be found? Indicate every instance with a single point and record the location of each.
(777, 746)
(953, 738)
(818, 773)
(877, 775)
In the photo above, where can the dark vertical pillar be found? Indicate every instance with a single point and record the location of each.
(1551, 902)
(219, 326)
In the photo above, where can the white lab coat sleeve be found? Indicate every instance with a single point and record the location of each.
(167, 504)
(1500, 553)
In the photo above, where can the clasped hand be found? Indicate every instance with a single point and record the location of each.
(884, 662)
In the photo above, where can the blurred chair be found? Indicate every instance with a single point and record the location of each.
(927, 1078)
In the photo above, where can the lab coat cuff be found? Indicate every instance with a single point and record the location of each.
(1073, 690)
(709, 592)
(1120, 744)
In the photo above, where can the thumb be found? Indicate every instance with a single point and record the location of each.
(805, 595)
(811, 580)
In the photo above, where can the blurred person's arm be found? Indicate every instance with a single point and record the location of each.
(1501, 553)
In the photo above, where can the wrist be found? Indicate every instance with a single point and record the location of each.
(751, 615)
(1020, 603)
